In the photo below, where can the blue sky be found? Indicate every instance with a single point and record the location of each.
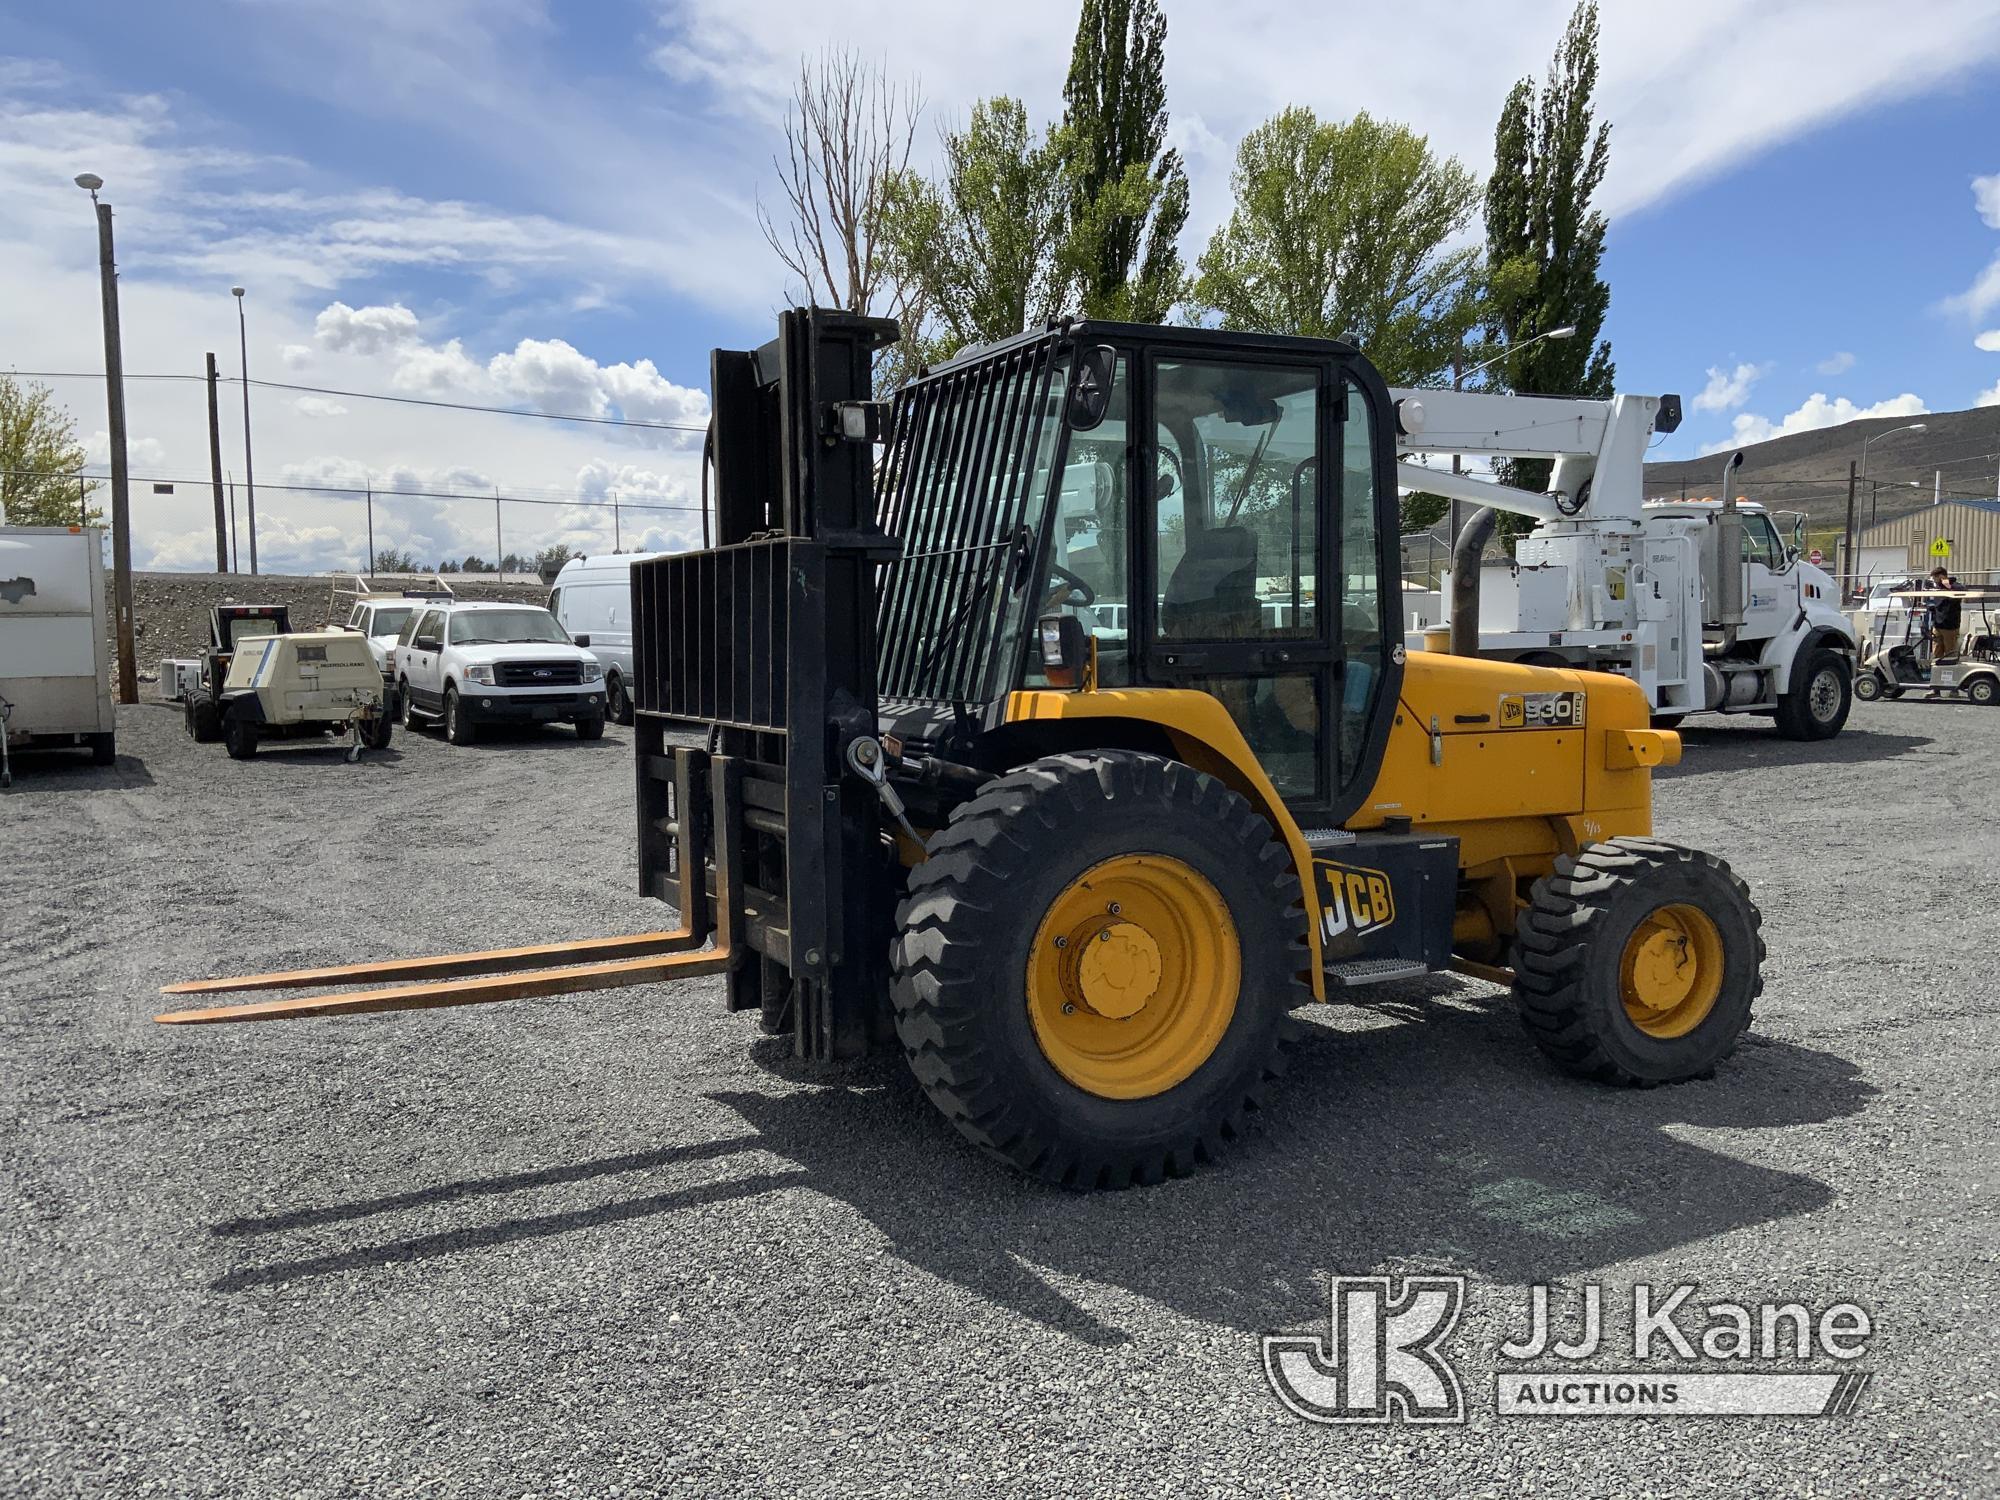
(554, 206)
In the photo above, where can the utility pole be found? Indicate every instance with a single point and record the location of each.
(617, 531)
(249, 471)
(121, 494)
(499, 546)
(235, 557)
(1847, 546)
(215, 471)
(371, 530)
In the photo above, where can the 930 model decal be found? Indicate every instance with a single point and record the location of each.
(1541, 711)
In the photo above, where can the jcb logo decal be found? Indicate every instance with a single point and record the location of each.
(1354, 901)
(1541, 710)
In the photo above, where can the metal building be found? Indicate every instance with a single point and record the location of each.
(1968, 529)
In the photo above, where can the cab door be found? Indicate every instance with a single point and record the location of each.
(1263, 569)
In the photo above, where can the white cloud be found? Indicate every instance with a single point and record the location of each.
(318, 406)
(1989, 341)
(1989, 398)
(1816, 412)
(364, 330)
(296, 356)
(1837, 364)
(1727, 389)
(1986, 198)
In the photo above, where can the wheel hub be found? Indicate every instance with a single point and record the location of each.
(1117, 970)
(1671, 971)
(1133, 975)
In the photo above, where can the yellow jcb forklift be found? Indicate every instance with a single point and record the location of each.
(1051, 723)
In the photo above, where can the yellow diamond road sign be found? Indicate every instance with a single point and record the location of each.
(1941, 547)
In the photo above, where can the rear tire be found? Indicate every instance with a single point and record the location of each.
(1816, 705)
(618, 703)
(1050, 1086)
(204, 717)
(377, 732)
(104, 749)
(239, 738)
(590, 729)
(1983, 690)
(1637, 962)
(458, 729)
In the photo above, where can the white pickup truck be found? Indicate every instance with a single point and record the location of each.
(55, 652)
(466, 665)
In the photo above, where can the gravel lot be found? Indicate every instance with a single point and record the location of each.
(625, 1245)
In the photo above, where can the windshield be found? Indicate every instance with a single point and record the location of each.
(390, 621)
(494, 627)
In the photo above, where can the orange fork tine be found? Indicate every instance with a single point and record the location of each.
(448, 965)
(512, 986)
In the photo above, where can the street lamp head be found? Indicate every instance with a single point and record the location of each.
(1917, 427)
(1567, 331)
(236, 291)
(90, 182)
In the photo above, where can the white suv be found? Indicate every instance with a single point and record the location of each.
(472, 664)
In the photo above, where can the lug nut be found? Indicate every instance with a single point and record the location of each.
(1114, 908)
(1068, 1008)
(1062, 942)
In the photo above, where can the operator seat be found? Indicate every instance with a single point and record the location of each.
(1213, 597)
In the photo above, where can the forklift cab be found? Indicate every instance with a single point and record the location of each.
(1212, 520)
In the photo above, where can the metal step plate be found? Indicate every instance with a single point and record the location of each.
(1355, 973)
(1325, 838)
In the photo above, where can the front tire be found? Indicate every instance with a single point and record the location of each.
(239, 738)
(591, 728)
(1637, 962)
(1817, 703)
(407, 705)
(376, 732)
(458, 729)
(1868, 686)
(1093, 967)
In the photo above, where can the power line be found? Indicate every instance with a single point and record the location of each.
(362, 492)
(324, 390)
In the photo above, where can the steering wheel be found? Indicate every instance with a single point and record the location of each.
(1077, 587)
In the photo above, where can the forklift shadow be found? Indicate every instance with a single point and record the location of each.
(1426, 1136)
(1711, 748)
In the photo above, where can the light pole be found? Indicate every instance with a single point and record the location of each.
(121, 490)
(1867, 443)
(249, 471)
(1455, 512)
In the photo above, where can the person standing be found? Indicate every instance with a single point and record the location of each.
(1944, 615)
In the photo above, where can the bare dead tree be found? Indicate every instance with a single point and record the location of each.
(847, 135)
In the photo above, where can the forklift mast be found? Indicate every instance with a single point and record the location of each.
(754, 673)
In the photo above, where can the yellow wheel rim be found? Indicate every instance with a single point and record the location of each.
(1133, 977)
(1671, 971)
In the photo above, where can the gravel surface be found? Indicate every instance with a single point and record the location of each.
(625, 1245)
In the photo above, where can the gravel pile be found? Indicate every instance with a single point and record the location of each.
(620, 1245)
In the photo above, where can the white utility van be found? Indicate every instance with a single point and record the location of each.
(592, 598)
(55, 649)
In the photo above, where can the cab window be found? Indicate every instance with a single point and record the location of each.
(1760, 542)
(1090, 567)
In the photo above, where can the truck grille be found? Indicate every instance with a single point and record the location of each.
(538, 674)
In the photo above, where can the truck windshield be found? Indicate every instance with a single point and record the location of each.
(498, 627)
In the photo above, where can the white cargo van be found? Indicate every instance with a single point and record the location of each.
(593, 597)
(55, 649)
